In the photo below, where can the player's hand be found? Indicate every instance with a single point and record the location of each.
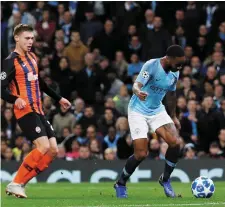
(142, 95)
(177, 123)
(65, 103)
(20, 103)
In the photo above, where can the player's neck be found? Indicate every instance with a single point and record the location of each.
(163, 62)
(20, 51)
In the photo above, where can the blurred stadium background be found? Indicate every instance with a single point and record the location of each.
(113, 40)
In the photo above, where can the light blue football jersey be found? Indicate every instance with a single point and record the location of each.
(156, 82)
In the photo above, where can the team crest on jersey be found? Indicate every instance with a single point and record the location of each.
(38, 129)
(137, 131)
(32, 76)
(3, 75)
(145, 74)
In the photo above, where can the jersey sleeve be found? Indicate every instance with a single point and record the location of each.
(174, 83)
(44, 87)
(7, 75)
(146, 72)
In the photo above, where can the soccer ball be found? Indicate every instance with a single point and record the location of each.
(202, 187)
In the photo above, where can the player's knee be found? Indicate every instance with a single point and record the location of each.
(42, 144)
(54, 151)
(174, 142)
(44, 148)
(141, 155)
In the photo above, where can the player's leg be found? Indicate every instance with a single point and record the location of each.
(169, 133)
(140, 153)
(45, 161)
(35, 131)
(49, 156)
(139, 129)
(29, 163)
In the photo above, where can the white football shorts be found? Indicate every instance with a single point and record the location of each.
(140, 124)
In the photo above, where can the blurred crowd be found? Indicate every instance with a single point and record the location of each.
(91, 53)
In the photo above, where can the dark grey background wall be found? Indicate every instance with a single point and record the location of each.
(100, 171)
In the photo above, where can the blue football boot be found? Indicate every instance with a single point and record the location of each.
(167, 187)
(121, 191)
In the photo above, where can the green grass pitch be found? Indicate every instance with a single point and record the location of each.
(102, 195)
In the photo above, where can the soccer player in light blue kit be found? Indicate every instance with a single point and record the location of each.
(157, 78)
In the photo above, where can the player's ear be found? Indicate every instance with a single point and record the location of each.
(170, 59)
(16, 38)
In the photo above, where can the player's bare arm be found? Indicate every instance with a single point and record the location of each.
(137, 91)
(171, 106)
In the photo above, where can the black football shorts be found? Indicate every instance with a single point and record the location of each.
(35, 125)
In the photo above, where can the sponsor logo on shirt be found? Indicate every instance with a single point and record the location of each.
(32, 77)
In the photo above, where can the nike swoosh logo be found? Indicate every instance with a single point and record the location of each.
(157, 79)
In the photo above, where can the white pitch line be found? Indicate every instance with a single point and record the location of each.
(157, 205)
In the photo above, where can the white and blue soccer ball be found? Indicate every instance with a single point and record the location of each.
(203, 187)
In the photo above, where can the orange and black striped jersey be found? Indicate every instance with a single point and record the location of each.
(20, 76)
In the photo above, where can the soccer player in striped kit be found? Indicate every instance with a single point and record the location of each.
(21, 86)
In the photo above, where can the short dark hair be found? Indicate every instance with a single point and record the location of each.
(214, 145)
(187, 76)
(66, 58)
(207, 96)
(75, 31)
(175, 51)
(219, 85)
(77, 124)
(89, 106)
(92, 126)
(22, 28)
(84, 146)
